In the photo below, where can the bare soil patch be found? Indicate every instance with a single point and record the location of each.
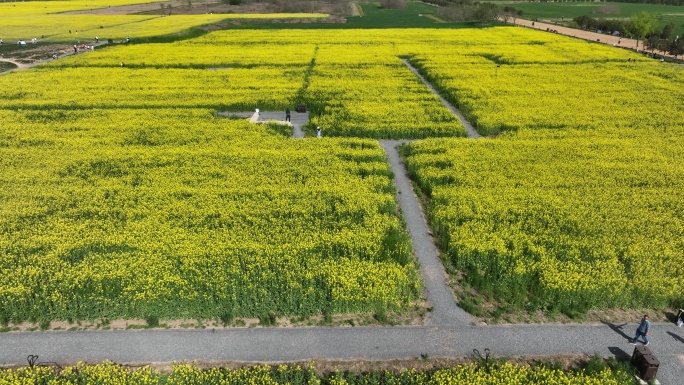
(412, 317)
(7, 65)
(32, 53)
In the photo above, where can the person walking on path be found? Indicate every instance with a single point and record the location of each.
(318, 132)
(287, 114)
(642, 331)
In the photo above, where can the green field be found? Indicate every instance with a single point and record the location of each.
(415, 15)
(564, 12)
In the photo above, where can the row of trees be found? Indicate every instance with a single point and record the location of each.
(641, 26)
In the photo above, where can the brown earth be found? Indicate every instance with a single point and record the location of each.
(414, 317)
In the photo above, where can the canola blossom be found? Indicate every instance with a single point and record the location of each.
(123, 213)
(52, 21)
(184, 374)
(124, 195)
(572, 224)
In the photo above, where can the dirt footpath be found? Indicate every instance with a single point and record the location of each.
(586, 35)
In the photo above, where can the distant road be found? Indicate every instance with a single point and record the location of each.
(586, 35)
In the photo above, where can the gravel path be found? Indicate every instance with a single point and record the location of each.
(470, 130)
(371, 343)
(445, 310)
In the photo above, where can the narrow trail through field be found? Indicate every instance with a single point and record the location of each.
(445, 311)
(472, 133)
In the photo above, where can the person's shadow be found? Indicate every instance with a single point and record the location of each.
(619, 354)
(618, 329)
(676, 336)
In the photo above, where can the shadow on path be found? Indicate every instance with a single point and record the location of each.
(618, 329)
(619, 353)
(676, 337)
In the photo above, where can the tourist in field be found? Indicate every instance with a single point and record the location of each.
(318, 132)
(75, 48)
(97, 39)
(680, 318)
(642, 331)
(287, 114)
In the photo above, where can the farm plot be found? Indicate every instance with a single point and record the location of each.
(552, 82)
(123, 196)
(577, 204)
(562, 225)
(45, 20)
(124, 213)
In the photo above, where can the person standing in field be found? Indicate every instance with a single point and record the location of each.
(318, 132)
(642, 331)
(287, 114)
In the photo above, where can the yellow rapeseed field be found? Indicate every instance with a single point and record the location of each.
(125, 196)
(184, 374)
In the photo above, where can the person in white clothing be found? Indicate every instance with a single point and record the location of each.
(318, 132)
